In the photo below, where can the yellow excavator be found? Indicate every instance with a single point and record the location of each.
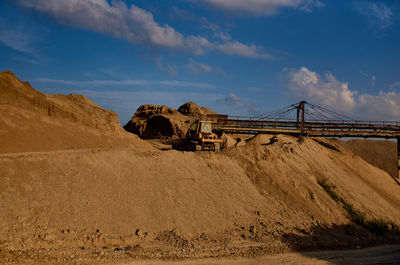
(200, 137)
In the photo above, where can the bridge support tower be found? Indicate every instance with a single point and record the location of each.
(300, 123)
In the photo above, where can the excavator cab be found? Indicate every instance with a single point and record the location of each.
(201, 136)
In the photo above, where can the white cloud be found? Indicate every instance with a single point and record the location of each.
(172, 70)
(378, 14)
(366, 75)
(250, 51)
(325, 91)
(16, 39)
(363, 73)
(22, 38)
(385, 106)
(262, 7)
(373, 80)
(135, 25)
(102, 83)
(196, 67)
(395, 85)
(233, 100)
(180, 14)
(329, 92)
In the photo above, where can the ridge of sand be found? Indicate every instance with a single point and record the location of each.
(382, 154)
(121, 194)
(34, 121)
(132, 196)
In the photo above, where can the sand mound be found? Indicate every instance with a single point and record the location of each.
(261, 139)
(207, 111)
(125, 196)
(382, 154)
(152, 121)
(33, 121)
(258, 198)
(193, 110)
(227, 141)
(75, 108)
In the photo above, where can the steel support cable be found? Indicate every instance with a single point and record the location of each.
(273, 115)
(278, 111)
(288, 110)
(319, 117)
(311, 115)
(275, 111)
(324, 113)
(319, 121)
(344, 117)
(321, 114)
(315, 114)
(319, 111)
(331, 112)
(284, 115)
(337, 116)
(283, 112)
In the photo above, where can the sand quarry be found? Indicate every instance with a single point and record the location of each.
(76, 188)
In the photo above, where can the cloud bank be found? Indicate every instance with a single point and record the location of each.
(329, 92)
(378, 14)
(199, 68)
(233, 100)
(127, 83)
(262, 7)
(135, 25)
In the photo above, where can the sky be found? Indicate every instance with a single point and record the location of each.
(237, 57)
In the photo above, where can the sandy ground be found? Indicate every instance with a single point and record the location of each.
(376, 255)
(75, 188)
(389, 254)
(382, 154)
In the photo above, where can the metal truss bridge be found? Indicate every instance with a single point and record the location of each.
(306, 119)
(309, 120)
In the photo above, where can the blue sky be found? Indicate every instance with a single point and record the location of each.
(234, 56)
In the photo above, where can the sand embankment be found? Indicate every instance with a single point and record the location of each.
(119, 193)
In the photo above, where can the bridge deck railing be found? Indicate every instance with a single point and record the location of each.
(352, 122)
(337, 127)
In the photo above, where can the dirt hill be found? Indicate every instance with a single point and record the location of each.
(34, 121)
(152, 121)
(193, 110)
(382, 154)
(129, 199)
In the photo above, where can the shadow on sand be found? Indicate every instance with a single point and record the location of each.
(347, 244)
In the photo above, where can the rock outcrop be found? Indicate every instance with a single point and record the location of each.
(154, 121)
(193, 110)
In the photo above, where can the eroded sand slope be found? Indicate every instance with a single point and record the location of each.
(34, 121)
(111, 190)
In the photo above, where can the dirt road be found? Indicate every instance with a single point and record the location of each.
(376, 255)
